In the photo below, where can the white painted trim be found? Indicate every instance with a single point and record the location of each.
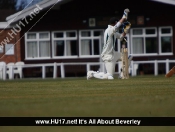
(55, 65)
(163, 35)
(3, 25)
(53, 58)
(64, 38)
(78, 37)
(91, 37)
(144, 35)
(66, 57)
(37, 40)
(171, 2)
(41, 58)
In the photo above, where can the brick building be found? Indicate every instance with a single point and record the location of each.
(72, 31)
(5, 54)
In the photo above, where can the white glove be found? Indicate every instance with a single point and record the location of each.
(126, 10)
(125, 14)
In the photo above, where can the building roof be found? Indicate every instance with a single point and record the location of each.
(171, 2)
(26, 12)
(3, 25)
(44, 4)
(5, 13)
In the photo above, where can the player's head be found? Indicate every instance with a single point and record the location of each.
(113, 21)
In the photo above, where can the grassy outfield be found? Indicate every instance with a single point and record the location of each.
(135, 97)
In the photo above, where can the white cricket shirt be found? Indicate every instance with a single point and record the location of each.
(109, 42)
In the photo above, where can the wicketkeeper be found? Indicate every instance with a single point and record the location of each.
(108, 55)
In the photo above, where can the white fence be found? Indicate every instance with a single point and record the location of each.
(132, 69)
(155, 62)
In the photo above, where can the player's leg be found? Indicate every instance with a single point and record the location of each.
(101, 75)
(90, 74)
(110, 71)
(98, 75)
(110, 68)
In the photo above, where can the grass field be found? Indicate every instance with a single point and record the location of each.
(135, 97)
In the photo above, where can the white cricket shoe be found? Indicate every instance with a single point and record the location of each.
(90, 74)
(110, 77)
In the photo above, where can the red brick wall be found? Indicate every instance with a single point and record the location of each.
(15, 40)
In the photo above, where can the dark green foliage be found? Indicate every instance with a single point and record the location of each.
(8, 4)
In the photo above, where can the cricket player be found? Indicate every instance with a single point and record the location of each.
(108, 55)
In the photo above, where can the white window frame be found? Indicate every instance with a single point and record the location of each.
(9, 49)
(64, 38)
(144, 36)
(1, 49)
(164, 35)
(91, 37)
(37, 40)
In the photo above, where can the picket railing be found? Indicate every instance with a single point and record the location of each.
(132, 68)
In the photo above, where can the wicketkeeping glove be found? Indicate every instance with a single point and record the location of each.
(126, 26)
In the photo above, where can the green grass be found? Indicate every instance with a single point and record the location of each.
(140, 96)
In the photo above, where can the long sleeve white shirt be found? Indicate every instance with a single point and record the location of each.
(109, 42)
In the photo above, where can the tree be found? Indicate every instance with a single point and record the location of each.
(8, 4)
(22, 5)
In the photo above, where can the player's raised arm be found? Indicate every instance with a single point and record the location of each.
(125, 14)
(123, 19)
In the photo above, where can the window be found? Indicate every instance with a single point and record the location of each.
(64, 44)
(144, 41)
(165, 39)
(1, 48)
(9, 49)
(90, 43)
(37, 45)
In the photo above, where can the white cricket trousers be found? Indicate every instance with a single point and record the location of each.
(110, 67)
